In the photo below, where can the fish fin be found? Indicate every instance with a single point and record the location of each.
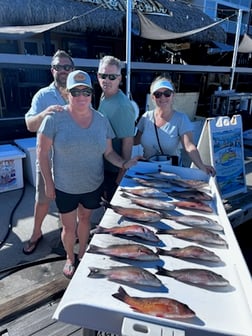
(121, 294)
(95, 273)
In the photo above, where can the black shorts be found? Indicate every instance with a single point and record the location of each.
(69, 202)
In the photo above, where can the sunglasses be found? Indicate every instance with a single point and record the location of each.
(166, 93)
(83, 92)
(110, 77)
(66, 67)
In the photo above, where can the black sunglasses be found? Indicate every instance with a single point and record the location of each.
(166, 93)
(66, 67)
(83, 92)
(110, 77)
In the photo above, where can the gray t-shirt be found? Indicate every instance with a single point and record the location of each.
(77, 151)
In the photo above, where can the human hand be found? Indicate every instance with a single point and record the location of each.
(132, 162)
(54, 108)
(209, 170)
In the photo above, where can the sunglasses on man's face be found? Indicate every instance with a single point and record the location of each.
(83, 92)
(109, 76)
(166, 93)
(59, 67)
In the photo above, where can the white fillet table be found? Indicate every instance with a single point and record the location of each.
(89, 303)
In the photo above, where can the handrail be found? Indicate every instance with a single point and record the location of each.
(17, 60)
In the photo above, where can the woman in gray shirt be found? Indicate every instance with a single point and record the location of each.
(80, 138)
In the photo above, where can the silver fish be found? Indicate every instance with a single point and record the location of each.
(195, 220)
(134, 230)
(126, 274)
(152, 183)
(191, 194)
(128, 251)
(144, 191)
(156, 306)
(195, 276)
(151, 203)
(161, 175)
(190, 252)
(199, 235)
(141, 215)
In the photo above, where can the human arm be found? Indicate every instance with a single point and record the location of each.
(33, 122)
(137, 138)
(116, 159)
(127, 144)
(193, 153)
(44, 145)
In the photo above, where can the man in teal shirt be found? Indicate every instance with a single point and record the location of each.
(117, 107)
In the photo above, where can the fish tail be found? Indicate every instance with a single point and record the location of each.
(162, 231)
(121, 294)
(125, 195)
(93, 249)
(162, 271)
(95, 273)
(105, 203)
(161, 251)
(165, 215)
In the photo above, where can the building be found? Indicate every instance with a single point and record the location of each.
(88, 30)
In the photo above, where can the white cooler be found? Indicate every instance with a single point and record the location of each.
(28, 145)
(11, 168)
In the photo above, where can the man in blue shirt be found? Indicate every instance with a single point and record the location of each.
(44, 102)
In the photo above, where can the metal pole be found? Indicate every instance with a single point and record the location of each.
(236, 45)
(128, 46)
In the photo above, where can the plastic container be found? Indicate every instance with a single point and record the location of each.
(11, 168)
(28, 145)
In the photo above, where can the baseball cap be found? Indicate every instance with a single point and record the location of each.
(78, 77)
(162, 84)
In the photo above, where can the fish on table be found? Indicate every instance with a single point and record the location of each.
(193, 205)
(142, 215)
(144, 191)
(160, 175)
(190, 252)
(199, 235)
(150, 203)
(191, 194)
(126, 274)
(153, 183)
(134, 230)
(195, 220)
(128, 251)
(195, 276)
(187, 183)
(156, 306)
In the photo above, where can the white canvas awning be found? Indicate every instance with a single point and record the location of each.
(152, 31)
(245, 45)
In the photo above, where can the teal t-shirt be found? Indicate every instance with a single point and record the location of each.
(121, 115)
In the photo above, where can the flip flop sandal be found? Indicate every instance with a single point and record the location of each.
(68, 270)
(32, 245)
